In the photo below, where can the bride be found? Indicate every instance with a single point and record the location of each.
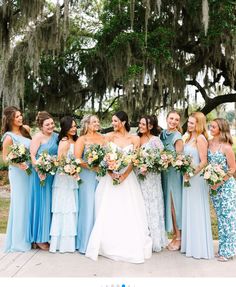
(120, 231)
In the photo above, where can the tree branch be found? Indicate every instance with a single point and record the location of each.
(214, 102)
(200, 89)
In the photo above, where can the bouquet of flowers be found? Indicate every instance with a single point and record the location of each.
(184, 164)
(46, 164)
(94, 156)
(166, 160)
(70, 166)
(146, 160)
(213, 174)
(115, 160)
(18, 153)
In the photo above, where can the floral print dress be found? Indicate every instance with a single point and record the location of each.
(225, 206)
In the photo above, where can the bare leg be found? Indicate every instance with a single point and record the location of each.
(176, 241)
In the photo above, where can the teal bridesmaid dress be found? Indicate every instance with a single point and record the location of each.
(16, 236)
(86, 206)
(41, 199)
(172, 183)
(196, 236)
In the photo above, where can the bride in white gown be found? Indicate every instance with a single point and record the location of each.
(120, 231)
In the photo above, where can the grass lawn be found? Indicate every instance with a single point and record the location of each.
(4, 207)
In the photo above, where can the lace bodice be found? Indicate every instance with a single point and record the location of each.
(153, 143)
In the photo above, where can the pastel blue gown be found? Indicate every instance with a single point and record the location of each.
(225, 206)
(196, 236)
(172, 183)
(16, 239)
(86, 206)
(41, 199)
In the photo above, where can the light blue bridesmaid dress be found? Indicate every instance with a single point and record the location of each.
(86, 206)
(16, 239)
(225, 206)
(172, 183)
(196, 236)
(41, 198)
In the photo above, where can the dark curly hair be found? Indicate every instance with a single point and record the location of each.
(152, 120)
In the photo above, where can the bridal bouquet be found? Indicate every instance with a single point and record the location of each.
(213, 174)
(166, 160)
(184, 164)
(46, 164)
(70, 166)
(115, 160)
(18, 153)
(94, 156)
(146, 160)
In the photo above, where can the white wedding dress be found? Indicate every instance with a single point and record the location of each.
(120, 231)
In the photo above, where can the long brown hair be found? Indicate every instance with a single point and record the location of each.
(7, 121)
(179, 128)
(201, 126)
(225, 135)
(41, 117)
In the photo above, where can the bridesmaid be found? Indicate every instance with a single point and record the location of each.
(41, 196)
(151, 186)
(172, 181)
(196, 234)
(88, 135)
(15, 132)
(64, 194)
(220, 152)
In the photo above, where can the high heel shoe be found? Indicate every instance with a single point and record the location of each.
(43, 246)
(174, 247)
(34, 246)
(224, 259)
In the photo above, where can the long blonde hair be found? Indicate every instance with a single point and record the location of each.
(225, 135)
(85, 123)
(179, 128)
(201, 126)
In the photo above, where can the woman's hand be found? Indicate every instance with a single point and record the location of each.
(22, 166)
(42, 176)
(113, 175)
(186, 177)
(214, 187)
(122, 177)
(96, 169)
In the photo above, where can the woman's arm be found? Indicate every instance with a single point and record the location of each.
(202, 146)
(63, 148)
(230, 156)
(34, 146)
(79, 149)
(5, 146)
(179, 146)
